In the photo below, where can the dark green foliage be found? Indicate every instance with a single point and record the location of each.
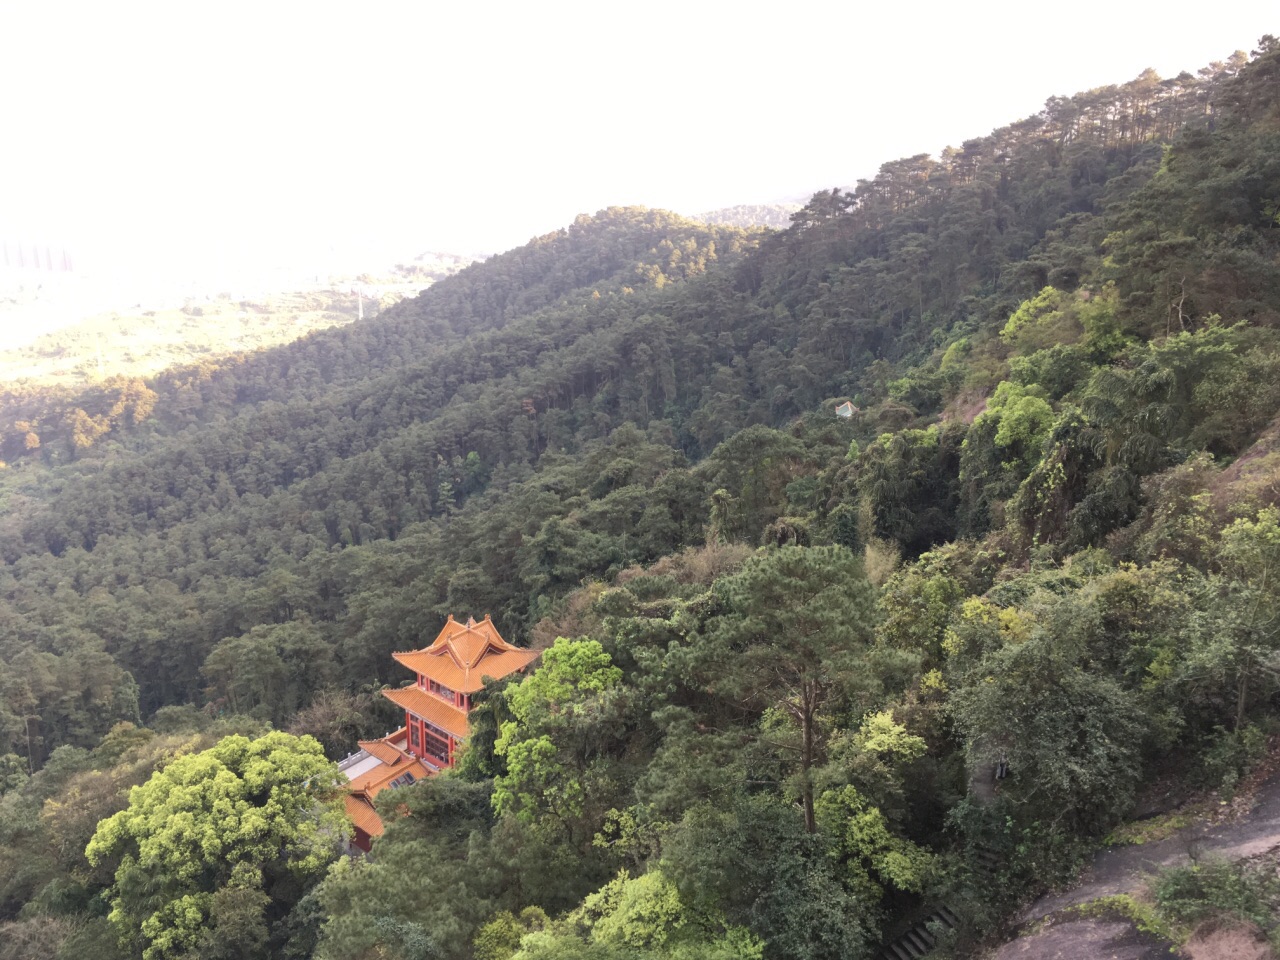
(1197, 240)
(1070, 736)
(755, 861)
(793, 635)
(446, 840)
(909, 479)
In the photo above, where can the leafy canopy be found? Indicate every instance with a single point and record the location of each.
(243, 815)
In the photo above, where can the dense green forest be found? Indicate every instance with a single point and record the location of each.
(784, 649)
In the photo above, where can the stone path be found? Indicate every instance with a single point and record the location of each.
(1085, 940)
(1121, 869)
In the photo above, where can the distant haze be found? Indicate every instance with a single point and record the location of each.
(172, 147)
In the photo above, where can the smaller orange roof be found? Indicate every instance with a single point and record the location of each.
(392, 762)
(363, 815)
(430, 708)
(384, 751)
(376, 780)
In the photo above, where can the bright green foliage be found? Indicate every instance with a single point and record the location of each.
(1024, 417)
(533, 764)
(918, 602)
(1056, 370)
(1068, 498)
(886, 776)
(568, 668)
(873, 857)
(1251, 550)
(215, 838)
(1001, 448)
(557, 748)
(1036, 323)
(499, 939)
(1103, 337)
(642, 917)
(640, 912)
(880, 734)
(1050, 322)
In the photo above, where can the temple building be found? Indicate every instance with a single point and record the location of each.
(378, 765)
(436, 704)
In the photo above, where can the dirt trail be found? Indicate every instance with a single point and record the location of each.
(1252, 831)
(1121, 869)
(1085, 940)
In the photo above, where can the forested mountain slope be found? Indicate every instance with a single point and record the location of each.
(1043, 536)
(775, 215)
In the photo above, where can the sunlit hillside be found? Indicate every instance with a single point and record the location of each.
(142, 341)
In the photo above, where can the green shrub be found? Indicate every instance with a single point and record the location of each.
(1230, 755)
(1142, 915)
(1217, 888)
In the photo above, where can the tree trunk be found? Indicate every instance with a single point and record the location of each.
(806, 759)
(1242, 697)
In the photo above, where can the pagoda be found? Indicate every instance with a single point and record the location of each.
(447, 674)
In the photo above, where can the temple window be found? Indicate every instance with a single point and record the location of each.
(436, 744)
(440, 690)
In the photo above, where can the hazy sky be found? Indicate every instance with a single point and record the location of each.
(198, 138)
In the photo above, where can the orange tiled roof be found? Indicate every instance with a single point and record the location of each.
(399, 739)
(393, 762)
(371, 781)
(430, 708)
(363, 815)
(465, 653)
(384, 751)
